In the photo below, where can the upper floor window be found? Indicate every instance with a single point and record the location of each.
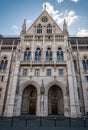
(25, 72)
(75, 65)
(49, 29)
(85, 64)
(44, 19)
(48, 54)
(38, 54)
(37, 72)
(3, 64)
(39, 29)
(48, 73)
(60, 54)
(27, 55)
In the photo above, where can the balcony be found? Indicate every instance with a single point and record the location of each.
(51, 62)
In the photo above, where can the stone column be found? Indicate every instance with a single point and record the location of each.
(45, 105)
(38, 110)
(73, 94)
(12, 89)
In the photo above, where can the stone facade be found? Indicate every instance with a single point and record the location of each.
(44, 71)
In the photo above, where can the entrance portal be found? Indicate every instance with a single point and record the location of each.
(29, 99)
(55, 101)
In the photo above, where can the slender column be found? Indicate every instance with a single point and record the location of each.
(12, 88)
(32, 47)
(80, 80)
(74, 102)
(43, 51)
(54, 53)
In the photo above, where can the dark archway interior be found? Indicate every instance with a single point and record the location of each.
(29, 101)
(55, 101)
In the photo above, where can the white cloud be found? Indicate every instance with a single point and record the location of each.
(82, 33)
(69, 15)
(28, 23)
(15, 28)
(75, 1)
(60, 1)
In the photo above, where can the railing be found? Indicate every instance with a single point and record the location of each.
(51, 62)
(43, 122)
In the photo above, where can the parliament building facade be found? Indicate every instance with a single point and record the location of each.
(44, 71)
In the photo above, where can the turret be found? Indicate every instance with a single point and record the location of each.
(23, 27)
(65, 31)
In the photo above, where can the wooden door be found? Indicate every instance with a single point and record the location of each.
(54, 106)
(32, 107)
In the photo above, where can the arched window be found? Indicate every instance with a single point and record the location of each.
(39, 29)
(85, 64)
(49, 29)
(27, 55)
(75, 65)
(4, 62)
(38, 54)
(48, 54)
(60, 54)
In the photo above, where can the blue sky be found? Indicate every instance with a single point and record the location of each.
(13, 13)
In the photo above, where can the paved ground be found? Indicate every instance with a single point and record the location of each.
(37, 123)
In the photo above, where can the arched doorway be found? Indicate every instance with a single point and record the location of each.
(55, 101)
(29, 99)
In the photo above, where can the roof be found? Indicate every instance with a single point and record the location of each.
(9, 40)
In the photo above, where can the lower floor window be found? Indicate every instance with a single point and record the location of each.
(60, 72)
(25, 72)
(86, 78)
(37, 72)
(48, 73)
(1, 78)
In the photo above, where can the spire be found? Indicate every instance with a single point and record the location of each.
(23, 27)
(45, 7)
(65, 31)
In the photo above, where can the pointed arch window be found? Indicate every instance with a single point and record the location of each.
(4, 62)
(49, 55)
(39, 29)
(49, 29)
(38, 54)
(27, 55)
(75, 65)
(60, 54)
(85, 64)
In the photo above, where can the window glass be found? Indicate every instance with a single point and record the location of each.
(25, 72)
(86, 78)
(37, 72)
(48, 72)
(60, 72)
(75, 65)
(1, 78)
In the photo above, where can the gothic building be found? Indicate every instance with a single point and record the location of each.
(44, 71)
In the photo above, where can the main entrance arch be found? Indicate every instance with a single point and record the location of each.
(55, 101)
(29, 101)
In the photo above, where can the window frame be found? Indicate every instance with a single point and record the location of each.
(60, 73)
(49, 72)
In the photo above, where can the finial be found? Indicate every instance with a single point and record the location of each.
(65, 28)
(45, 7)
(23, 27)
